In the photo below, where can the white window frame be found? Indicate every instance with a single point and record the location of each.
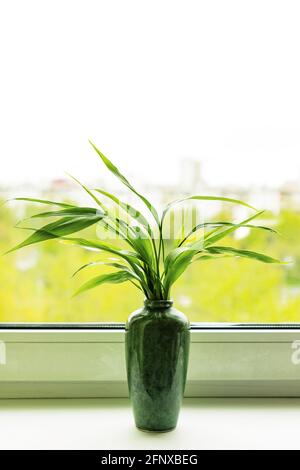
(88, 360)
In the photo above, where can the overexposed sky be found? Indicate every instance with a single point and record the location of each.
(151, 82)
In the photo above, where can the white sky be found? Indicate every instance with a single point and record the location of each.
(151, 82)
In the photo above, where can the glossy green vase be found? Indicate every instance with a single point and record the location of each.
(157, 343)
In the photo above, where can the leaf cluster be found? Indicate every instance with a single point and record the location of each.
(147, 262)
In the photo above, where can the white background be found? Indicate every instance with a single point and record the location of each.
(151, 82)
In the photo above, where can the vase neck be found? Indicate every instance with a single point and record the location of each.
(158, 304)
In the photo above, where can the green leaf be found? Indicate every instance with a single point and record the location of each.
(42, 201)
(210, 257)
(173, 255)
(142, 263)
(58, 229)
(71, 212)
(206, 198)
(210, 239)
(242, 253)
(143, 246)
(114, 170)
(119, 266)
(175, 264)
(133, 259)
(89, 192)
(98, 263)
(96, 245)
(218, 225)
(111, 278)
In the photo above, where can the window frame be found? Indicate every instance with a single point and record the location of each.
(88, 360)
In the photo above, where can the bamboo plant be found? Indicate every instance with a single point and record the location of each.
(148, 261)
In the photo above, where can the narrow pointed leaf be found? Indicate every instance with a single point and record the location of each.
(218, 225)
(224, 233)
(71, 212)
(96, 245)
(132, 258)
(242, 253)
(205, 198)
(42, 201)
(99, 263)
(58, 229)
(175, 265)
(89, 192)
(111, 278)
(210, 257)
(143, 246)
(114, 170)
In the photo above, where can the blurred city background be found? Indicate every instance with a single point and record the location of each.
(36, 283)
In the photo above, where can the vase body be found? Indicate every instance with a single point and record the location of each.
(157, 342)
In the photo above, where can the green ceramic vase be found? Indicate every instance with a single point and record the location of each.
(157, 343)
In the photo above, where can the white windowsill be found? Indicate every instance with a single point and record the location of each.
(107, 423)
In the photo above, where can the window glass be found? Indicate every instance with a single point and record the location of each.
(36, 283)
(185, 98)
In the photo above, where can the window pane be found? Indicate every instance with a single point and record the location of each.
(36, 283)
(185, 97)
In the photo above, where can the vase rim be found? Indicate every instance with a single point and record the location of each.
(160, 303)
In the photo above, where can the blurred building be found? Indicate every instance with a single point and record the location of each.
(190, 181)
